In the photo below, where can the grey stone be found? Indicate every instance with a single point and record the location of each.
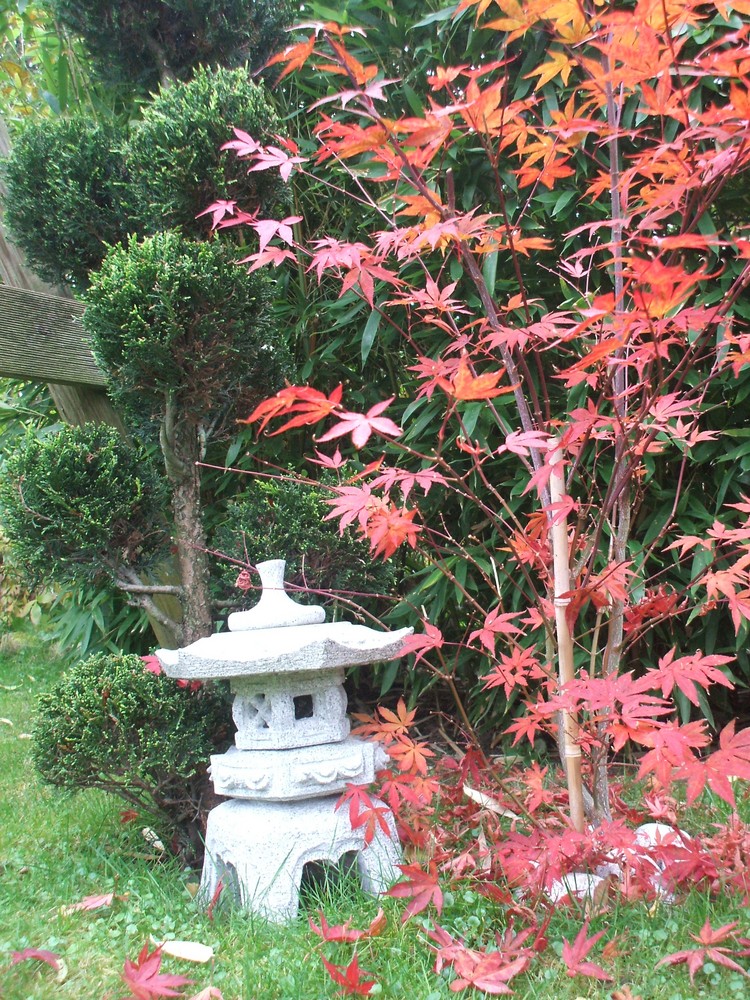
(258, 851)
(293, 650)
(275, 609)
(288, 775)
(289, 710)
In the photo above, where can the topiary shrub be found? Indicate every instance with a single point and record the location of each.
(174, 152)
(143, 42)
(64, 179)
(285, 519)
(111, 724)
(171, 318)
(81, 501)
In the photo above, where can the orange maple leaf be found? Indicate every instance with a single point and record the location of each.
(295, 56)
(465, 386)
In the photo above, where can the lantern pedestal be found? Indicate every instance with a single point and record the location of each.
(258, 851)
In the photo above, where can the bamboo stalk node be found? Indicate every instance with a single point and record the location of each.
(561, 602)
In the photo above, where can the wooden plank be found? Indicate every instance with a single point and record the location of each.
(42, 339)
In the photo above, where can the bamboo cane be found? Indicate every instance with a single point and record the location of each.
(569, 745)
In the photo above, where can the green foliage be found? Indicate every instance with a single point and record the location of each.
(92, 617)
(285, 519)
(111, 724)
(171, 317)
(145, 42)
(42, 70)
(173, 152)
(80, 500)
(64, 205)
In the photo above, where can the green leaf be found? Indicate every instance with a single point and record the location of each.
(413, 101)
(489, 269)
(369, 334)
(439, 15)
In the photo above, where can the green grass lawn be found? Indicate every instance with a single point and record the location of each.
(56, 849)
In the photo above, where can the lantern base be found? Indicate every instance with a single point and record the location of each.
(257, 851)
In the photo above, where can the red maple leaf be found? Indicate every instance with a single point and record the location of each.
(495, 623)
(349, 977)
(389, 527)
(672, 747)
(688, 671)
(514, 670)
(486, 971)
(144, 979)
(708, 938)
(431, 638)
(421, 887)
(38, 954)
(410, 755)
(268, 228)
(243, 144)
(489, 971)
(731, 760)
(218, 210)
(465, 386)
(271, 156)
(307, 403)
(396, 723)
(362, 425)
(364, 811)
(354, 503)
(574, 954)
(343, 932)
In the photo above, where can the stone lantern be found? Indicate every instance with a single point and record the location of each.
(293, 755)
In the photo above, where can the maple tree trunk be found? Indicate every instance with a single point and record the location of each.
(181, 446)
(570, 749)
(620, 483)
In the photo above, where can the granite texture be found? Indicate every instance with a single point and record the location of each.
(258, 850)
(302, 773)
(295, 649)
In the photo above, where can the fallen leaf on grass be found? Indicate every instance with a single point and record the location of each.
(144, 979)
(574, 954)
(188, 951)
(343, 932)
(695, 958)
(348, 977)
(210, 993)
(152, 839)
(7, 722)
(40, 954)
(90, 903)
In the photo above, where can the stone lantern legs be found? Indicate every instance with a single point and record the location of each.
(258, 851)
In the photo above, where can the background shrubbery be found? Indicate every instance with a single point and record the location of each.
(111, 724)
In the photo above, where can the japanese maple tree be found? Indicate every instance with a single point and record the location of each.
(548, 238)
